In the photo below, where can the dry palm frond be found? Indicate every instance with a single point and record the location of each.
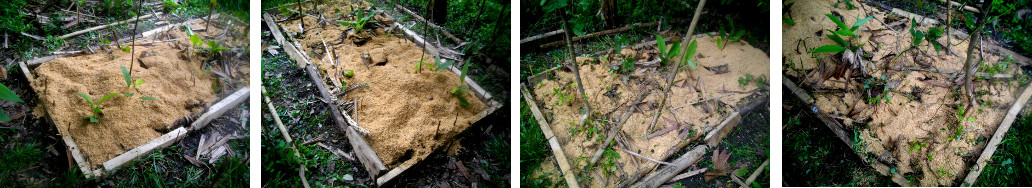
(720, 166)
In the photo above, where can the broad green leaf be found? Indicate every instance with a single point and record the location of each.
(661, 44)
(838, 22)
(125, 74)
(148, 98)
(444, 65)
(838, 40)
(138, 82)
(3, 116)
(738, 35)
(690, 52)
(195, 40)
(675, 49)
(844, 32)
(552, 5)
(859, 23)
(87, 97)
(8, 95)
(788, 21)
(463, 101)
(93, 119)
(829, 49)
(106, 98)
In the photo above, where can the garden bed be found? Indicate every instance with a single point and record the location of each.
(131, 127)
(701, 102)
(905, 107)
(406, 114)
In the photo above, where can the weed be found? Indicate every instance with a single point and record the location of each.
(726, 37)
(667, 54)
(744, 80)
(837, 36)
(917, 145)
(362, 20)
(96, 106)
(460, 91)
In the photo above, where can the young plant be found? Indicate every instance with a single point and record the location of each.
(933, 35)
(359, 24)
(96, 106)
(214, 48)
(461, 91)
(667, 54)
(422, 62)
(843, 31)
(732, 35)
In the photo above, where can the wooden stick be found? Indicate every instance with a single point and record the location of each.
(336, 151)
(431, 24)
(288, 47)
(839, 132)
(646, 158)
(275, 116)
(990, 148)
(615, 129)
(967, 8)
(600, 33)
(557, 150)
(541, 36)
(220, 108)
(365, 153)
(668, 172)
(948, 71)
(66, 36)
(756, 173)
(687, 175)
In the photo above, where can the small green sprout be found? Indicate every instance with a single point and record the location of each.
(461, 91)
(96, 106)
(7, 95)
(359, 24)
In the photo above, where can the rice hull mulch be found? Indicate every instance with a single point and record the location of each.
(408, 114)
(684, 103)
(171, 76)
(922, 106)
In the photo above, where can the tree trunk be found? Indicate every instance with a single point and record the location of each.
(440, 15)
(609, 12)
(500, 21)
(976, 39)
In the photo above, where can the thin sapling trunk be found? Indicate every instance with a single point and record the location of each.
(576, 73)
(132, 47)
(676, 68)
(975, 40)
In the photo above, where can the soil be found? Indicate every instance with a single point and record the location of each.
(177, 80)
(918, 111)
(402, 132)
(692, 118)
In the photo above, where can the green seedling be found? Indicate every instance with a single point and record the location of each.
(675, 49)
(349, 73)
(359, 24)
(215, 48)
(461, 91)
(837, 36)
(726, 37)
(96, 106)
(422, 62)
(744, 80)
(7, 95)
(129, 82)
(933, 35)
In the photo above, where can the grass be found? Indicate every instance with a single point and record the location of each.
(157, 169)
(533, 149)
(813, 156)
(1010, 164)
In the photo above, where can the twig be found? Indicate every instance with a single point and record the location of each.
(646, 158)
(676, 68)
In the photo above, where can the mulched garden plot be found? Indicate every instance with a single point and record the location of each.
(178, 81)
(700, 100)
(409, 114)
(904, 114)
